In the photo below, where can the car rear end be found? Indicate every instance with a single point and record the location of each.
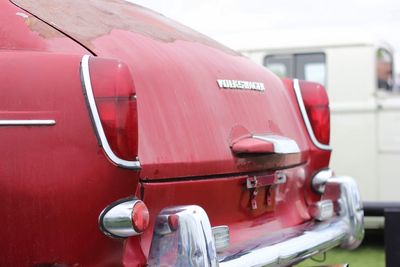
(230, 164)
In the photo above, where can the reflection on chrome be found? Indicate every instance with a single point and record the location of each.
(221, 237)
(349, 207)
(322, 210)
(116, 219)
(188, 241)
(190, 244)
(320, 178)
(282, 144)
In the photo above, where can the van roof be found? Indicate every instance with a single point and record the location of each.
(300, 39)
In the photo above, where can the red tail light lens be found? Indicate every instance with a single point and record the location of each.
(140, 217)
(316, 103)
(115, 97)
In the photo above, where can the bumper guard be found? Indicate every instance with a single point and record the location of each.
(183, 235)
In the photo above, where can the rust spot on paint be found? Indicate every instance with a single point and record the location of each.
(88, 20)
(42, 29)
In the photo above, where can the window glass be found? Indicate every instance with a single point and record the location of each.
(279, 69)
(384, 69)
(315, 72)
(281, 65)
(311, 67)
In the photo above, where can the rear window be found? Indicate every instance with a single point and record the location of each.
(308, 66)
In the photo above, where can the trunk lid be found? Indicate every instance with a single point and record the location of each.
(196, 98)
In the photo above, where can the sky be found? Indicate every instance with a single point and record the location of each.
(225, 20)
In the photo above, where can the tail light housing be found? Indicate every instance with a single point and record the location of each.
(314, 106)
(111, 97)
(316, 103)
(124, 218)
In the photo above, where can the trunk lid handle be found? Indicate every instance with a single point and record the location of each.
(265, 144)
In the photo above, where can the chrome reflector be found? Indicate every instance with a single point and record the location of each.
(221, 237)
(322, 210)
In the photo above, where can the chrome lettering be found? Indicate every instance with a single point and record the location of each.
(246, 85)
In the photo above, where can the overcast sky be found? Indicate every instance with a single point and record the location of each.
(225, 19)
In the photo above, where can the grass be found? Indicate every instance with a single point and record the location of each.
(370, 254)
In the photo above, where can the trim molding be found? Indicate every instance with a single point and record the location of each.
(27, 122)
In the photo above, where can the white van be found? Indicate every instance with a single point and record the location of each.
(365, 107)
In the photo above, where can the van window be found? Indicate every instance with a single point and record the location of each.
(280, 65)
(309, 66)
(384, 69)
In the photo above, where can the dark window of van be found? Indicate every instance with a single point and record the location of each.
(307, 66)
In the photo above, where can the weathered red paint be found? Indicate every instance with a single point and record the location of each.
(54, 181)
(227, 202)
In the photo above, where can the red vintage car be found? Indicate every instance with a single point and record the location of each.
(128, 139)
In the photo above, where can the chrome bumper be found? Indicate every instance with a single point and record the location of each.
(183, 235)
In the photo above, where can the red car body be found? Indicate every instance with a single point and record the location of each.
(192, 131)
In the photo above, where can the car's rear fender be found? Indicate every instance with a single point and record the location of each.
(54, 177)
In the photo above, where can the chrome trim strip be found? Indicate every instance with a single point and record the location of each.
(96, 119)
(282, 144)
(299, 97)
(191, 242)
(27, 122)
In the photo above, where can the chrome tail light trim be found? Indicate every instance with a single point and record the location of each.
(88, 90)
(116, 219)
(300, 102)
